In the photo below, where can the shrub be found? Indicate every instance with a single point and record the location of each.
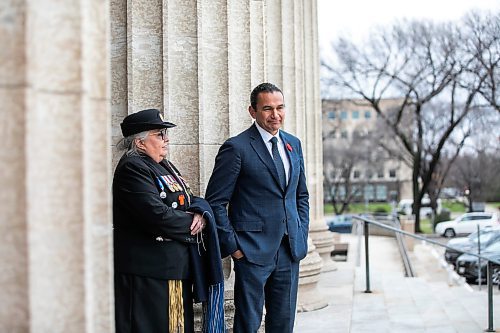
(443, 216)
(380, 210)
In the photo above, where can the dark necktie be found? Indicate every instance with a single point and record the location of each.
(278, 162)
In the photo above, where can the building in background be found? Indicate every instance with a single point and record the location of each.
(355, 162)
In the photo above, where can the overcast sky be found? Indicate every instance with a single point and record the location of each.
(355, 17)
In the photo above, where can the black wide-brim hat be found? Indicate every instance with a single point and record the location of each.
(142, 121)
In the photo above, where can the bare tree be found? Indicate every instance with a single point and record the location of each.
(344, 155)
(426, 65)
(483, 41)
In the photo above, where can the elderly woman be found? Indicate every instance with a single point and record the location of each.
(158, 226)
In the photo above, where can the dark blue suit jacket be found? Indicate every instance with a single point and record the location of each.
(250, 207)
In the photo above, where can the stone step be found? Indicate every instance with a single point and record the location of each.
(397, 303)
(476, 304)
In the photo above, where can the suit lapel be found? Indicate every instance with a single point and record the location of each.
(260, 148)
(291, 158)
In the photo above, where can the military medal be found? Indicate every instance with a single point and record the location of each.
(163, 195)
(181, 199)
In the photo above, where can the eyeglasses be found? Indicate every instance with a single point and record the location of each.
(161, 134)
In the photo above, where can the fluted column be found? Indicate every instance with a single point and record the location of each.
(98, 264)
(14, 302)
(321, 236)
(310, 298)
(144, 54)
(118, 71)
(239, 65)
(273, 46)
(213, 78)
(258, 60)
(54, 167)
(180, 86)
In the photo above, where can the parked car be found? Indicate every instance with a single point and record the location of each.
(467, 224)
(486, 237)
(340, 223)
(467, 265)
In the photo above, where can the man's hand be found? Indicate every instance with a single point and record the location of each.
(198, 224)
(237, 254)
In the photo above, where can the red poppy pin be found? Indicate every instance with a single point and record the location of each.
(289, 147)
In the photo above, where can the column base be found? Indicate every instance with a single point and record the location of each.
(310, 298)
(324, 241)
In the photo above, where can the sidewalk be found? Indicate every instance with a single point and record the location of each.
(426, 303)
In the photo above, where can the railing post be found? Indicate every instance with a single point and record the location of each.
(480, 278)
(367, 258)
(489, 273)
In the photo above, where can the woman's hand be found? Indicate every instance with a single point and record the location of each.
(198, 224)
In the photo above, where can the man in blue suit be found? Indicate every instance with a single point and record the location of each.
(260, 200)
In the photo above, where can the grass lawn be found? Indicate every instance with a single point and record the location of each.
(358, 208)
(453, 206)
(426, 226)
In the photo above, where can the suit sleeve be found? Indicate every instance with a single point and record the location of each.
(303, 197)
(137, 194)
(220, 190)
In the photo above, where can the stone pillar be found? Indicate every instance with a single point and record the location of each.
(310, 298)
(144, 54)
(98, 246)
(258, 61)
(14, 302)
(408, 224)
(54, 164)
(321, 236)
(118, 72)
(180, 86)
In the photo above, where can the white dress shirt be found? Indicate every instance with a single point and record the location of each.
(266, 136)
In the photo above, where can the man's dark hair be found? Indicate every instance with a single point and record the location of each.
(263, 87)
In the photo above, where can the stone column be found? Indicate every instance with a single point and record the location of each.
(98, 246)
(408, 224)
(310, 297)
(180, 86)
(144, 54)
(258, 61)
(54, 167)
(14, 302)
(118, 72)
(321, 236)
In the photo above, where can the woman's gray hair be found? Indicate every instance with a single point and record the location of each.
(128, 144)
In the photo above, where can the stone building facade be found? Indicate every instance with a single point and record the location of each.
(376, 177)
(71, 70)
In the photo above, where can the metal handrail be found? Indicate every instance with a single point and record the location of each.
(489, 274)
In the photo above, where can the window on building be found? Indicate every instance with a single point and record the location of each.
(380, 173)
(369, 174)
(369, 192)
(356, 174)
(357, 191)
(343, 134)
(392, 173)
(343, 115)
(332, 115)
(368, 114)
(355, 114)
(339, 191)
(381, 192)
